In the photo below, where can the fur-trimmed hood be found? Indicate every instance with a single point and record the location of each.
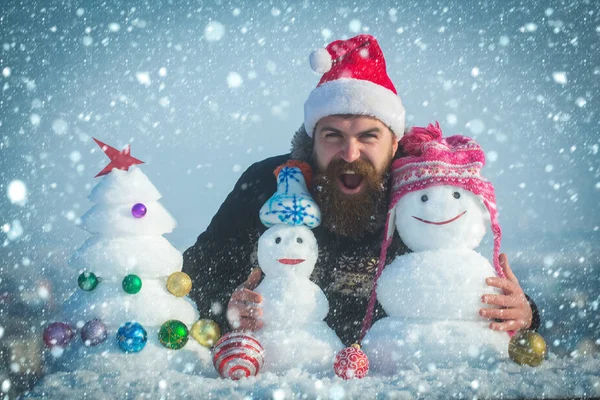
(302, 145)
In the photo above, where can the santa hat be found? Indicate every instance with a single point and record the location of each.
(291, 204)
(354, 81)
(431, 160)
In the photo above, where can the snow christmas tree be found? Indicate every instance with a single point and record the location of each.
(130, 305)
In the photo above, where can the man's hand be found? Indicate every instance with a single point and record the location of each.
(515, 312)
(243, 310)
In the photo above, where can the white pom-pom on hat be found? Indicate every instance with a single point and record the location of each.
(320, 61)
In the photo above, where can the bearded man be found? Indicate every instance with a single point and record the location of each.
(353, 121)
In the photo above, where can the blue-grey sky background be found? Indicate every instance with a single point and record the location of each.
(203, 89)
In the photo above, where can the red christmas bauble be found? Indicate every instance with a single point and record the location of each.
(238, 355)
(351, 362)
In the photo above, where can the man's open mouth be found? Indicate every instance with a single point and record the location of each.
(291, 261)
(443, 222)
(350, 181)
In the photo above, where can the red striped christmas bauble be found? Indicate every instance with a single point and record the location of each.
(238, 355)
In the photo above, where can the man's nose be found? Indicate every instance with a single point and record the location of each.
(351, 151)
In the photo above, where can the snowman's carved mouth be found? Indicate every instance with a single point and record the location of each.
(443, 222)
(291, 261)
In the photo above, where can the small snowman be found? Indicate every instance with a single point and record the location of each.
(440, 206)
(293, 307)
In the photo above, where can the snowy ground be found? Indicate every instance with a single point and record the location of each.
(561, 276)
(555, 378)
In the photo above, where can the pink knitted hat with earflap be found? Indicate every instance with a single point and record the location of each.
(431, 160)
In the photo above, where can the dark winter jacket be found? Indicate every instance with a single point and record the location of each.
(225, 253)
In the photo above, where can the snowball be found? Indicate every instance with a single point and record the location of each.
(143, 78)
(75, 156)
(17, 192)
(60, 126)
(35, 119)
(560, 77)
(6, 72)
(5, 387)
(278, 394)
(215, 31)
(87, 41)
(476, 126)
(451, 119)
(234, 80)
(15, 230)
(355, 26)
(114, 27)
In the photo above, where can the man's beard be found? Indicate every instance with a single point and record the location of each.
(352, 215)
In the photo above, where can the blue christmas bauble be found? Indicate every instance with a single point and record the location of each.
(131, 337)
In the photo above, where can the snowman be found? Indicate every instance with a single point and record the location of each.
(293, 307)
(440, 207)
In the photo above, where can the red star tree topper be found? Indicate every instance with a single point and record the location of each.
(118, 159)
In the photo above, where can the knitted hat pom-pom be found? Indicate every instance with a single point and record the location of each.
(413, 143)
(301, 165)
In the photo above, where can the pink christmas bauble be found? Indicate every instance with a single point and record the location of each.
(238, 355)
(351, 362)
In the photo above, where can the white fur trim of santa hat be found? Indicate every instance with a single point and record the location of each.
(357, 97)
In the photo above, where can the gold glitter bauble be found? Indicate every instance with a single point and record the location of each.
(527, 347)
(179, 284)
(206, 332)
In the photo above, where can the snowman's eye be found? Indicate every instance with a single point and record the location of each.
(456, 195)
(424, 198)
(299, 240)
(278, 240)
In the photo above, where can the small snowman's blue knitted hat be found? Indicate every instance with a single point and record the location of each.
(291, 204)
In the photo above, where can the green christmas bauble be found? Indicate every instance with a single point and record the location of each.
(132, 284)
(173, 334)
(527, 347)
(87, 281)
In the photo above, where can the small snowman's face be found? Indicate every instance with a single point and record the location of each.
(441, 217)
(285, 249)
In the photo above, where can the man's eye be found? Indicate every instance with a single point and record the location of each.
(332, 135)
(369, 136)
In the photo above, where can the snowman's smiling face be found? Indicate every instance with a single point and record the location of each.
(440, 217)
(285, 250)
